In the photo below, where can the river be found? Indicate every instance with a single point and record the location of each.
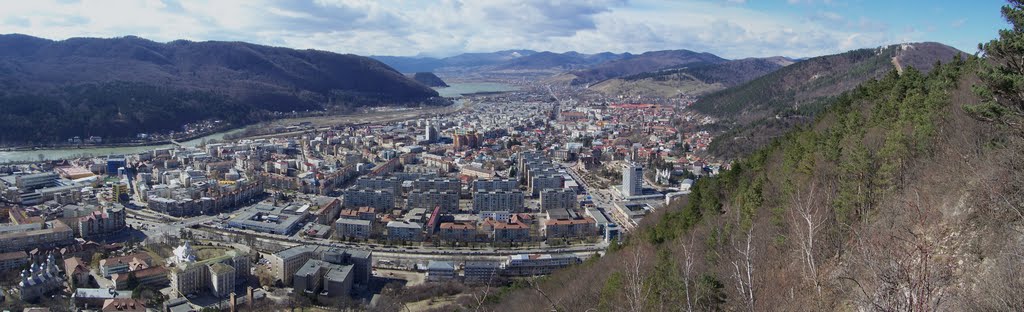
(65, 153)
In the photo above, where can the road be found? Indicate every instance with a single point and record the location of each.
(408, 252)
(602, 198)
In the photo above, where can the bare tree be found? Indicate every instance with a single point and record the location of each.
(903, 269)
(637, 290)
(532, 280)
(688, 272)
(807, 218)
(480, 299)
(743, 268)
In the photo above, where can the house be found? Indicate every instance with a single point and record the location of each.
(440, 271)
(570, 228)
(77, 271)
(96, 297)
(458, 232)
(404, 231)
(13, 260)
(565, 223)
(510, 232)
(361, 213)
(537, 264)
(124, 305)
(124, 264)
(353, 228)
(329, 208)
(154, 276)
(481, 272)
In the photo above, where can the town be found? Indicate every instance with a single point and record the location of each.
(511, 185)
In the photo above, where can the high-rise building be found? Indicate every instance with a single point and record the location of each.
(431, 134)
(632, 180)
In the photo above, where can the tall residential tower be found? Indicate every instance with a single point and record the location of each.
(632, 180)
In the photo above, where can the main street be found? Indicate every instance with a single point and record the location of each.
(603, 198)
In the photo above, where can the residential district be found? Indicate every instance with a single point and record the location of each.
(514, 185)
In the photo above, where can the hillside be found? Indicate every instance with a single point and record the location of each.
(795, 93)
(429, 79)
(808, 84)
(646, 62)
(900, 196)
(118, 87)
(692, 80)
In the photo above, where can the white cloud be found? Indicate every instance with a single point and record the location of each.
(959, 23)
(396, 27)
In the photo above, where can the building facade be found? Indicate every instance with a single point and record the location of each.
(558, 199)
(632, 180)
(498, 200)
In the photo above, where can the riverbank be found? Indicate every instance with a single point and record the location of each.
(44, 154)
(116, 145)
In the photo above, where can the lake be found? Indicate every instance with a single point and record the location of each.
(460, 89)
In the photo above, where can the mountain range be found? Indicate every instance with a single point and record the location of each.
(118, 87)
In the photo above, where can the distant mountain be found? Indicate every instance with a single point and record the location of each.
(429, 79)
(51, 90)
(487, 58)
(408, 64)
(411, 64)
(646, 62)
(795, 92)
(582, 68)
(567, 60)
(695, 79)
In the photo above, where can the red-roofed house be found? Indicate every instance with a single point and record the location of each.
(458, 232)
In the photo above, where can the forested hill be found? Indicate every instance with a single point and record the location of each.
(52, 90)
(645, 62)
(765, 108)
(429, 79)
(691, 79)
(904, 194)
(805, 86)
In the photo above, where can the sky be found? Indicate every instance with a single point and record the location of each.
(728, 28)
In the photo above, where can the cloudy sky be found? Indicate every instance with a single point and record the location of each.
(729, 28)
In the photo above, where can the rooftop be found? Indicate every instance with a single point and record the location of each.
(440, 265)
(101, 293)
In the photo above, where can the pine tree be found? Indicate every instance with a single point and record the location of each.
(1003, 74)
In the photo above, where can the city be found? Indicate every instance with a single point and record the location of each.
(479, 194)
(511, 155)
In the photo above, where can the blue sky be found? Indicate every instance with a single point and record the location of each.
(729, 28)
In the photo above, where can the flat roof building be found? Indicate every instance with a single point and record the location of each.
(269, 219)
